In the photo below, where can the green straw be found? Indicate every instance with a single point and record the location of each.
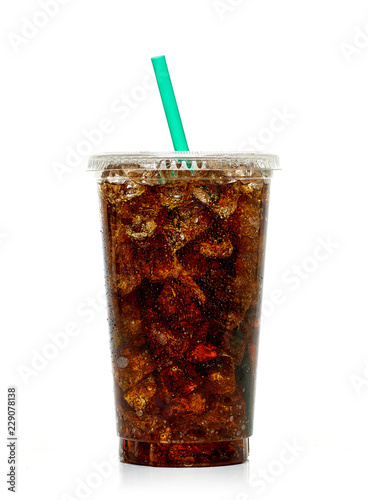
(169, 103)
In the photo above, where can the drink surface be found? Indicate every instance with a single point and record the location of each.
(184, 259)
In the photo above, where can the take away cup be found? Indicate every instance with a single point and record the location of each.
(184, 242)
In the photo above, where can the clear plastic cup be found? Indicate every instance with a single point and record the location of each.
(184, 242)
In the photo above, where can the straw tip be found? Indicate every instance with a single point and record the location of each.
(157, 58)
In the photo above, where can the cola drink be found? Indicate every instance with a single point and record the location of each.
(184, 245)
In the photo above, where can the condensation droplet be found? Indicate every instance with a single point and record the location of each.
(122, 362)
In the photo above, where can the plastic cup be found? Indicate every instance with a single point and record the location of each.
(184, 242)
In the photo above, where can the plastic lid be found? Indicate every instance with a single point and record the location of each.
(201, 160)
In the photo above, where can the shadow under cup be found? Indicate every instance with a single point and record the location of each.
(184, 244)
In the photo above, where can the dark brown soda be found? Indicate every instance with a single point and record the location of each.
(184, 268)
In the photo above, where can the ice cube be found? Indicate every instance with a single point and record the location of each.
(172, 196)
(246, 220)
(215, 243)
(139, 396)
(156, 260)
(221, 375)
(181, 298)
(192, 261)
(141, 216)
(167, 341)
(184, 407)
(202, 352)
(124, 274)
(221, 199)
(179, 380)
(137, 365)
(126, 317)
(185, 223)
(225, 419)
(116, 193)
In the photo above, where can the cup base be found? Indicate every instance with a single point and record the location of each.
(184, 454)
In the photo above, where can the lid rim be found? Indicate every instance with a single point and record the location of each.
(152, 159)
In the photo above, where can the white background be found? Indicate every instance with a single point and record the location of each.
(234, 71)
